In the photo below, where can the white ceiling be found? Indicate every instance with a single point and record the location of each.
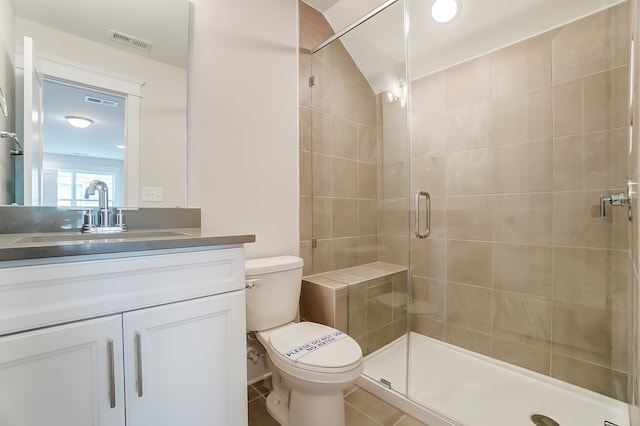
(482, 26)
(164, 23)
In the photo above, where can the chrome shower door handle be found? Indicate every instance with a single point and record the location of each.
(427, 231)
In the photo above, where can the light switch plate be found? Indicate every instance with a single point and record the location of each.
(153, 194)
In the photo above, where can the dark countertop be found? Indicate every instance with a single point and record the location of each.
(34, 248)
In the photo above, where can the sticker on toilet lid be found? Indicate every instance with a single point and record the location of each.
(313, 345)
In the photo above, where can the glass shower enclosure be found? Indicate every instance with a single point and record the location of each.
(470, 188)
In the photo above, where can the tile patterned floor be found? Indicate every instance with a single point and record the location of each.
(361, 407)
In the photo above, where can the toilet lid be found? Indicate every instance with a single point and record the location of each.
(315, 345)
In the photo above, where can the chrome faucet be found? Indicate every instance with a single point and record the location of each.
(103, 201)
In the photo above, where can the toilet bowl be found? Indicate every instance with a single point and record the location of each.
(311, 364)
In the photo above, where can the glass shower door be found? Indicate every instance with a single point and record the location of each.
(360, 193)
(518, 127)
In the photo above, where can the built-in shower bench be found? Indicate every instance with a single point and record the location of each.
(368, 302)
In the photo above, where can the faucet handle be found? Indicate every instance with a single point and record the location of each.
(119, 222)
(89, 220)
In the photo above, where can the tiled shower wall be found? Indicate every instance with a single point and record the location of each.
(338, 154)
(516, 148)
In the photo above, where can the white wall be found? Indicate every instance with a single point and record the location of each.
(7, 85)
(242, 158)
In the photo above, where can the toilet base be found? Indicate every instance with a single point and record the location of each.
(307, 410)
(316, 410)
(278, 408)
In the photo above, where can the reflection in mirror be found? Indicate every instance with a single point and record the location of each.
(85, 39)
(97, 151)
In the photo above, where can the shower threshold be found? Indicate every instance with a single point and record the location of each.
(449, 385)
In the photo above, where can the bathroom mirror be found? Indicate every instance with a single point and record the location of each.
(143, 42)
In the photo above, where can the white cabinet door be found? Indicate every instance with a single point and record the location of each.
(185, 363)
(64, 375)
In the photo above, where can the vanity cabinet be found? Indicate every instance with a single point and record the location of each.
(178, 360)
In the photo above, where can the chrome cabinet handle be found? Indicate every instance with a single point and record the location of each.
(138, 340)
(112, 374)
(427, 197)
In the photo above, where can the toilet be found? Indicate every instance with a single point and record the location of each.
(311, 364)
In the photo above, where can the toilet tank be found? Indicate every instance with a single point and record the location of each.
(274, 291)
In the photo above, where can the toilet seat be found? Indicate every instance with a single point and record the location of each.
(314, 347)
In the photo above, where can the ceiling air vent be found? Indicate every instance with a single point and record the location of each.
(123, 38)
(100, 101)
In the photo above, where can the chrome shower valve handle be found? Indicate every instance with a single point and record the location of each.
(621, 199)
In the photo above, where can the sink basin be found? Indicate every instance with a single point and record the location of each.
(119, 236)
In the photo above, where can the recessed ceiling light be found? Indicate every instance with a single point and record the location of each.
(79, 122)
(119, 146)
(444, 11)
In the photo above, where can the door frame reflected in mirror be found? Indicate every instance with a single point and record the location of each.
(129, 88)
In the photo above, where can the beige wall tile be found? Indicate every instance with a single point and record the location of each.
(470, 262)
(379, 338)
(344, 178)
(591, 277)
(345, 252)
(322, 216)
(344, 138)
(367, 180)
(322, 173)
(583, 332)
(367, 249)
(426, 326)
(428, 134)
(523, 268)
(357, 312)
(606, 100)
(321, 132)
(317, 303)
(569, 163)
(470, 218)
(341, 309)
(469, 127)
(344, 218)
(304, 124)
(393, 249)
(470, 172)
(428, 298)
(367, 217)
(306, 174)
(394, 179)
(523, 218)
(577, 221)
(428, 174)
(523, 66)
(306, 253)
(585, 46)
(366, 113)
(305, 218)
(600, 379)
(427, 94)
(526, 167)
(322, 261)
(428, 256)
(530, 357)
(522, 318)
(523, 117)
(468, 83)
(568, 108)
(367, 144)
(606, 159)
(469, 339)
(393, 217)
